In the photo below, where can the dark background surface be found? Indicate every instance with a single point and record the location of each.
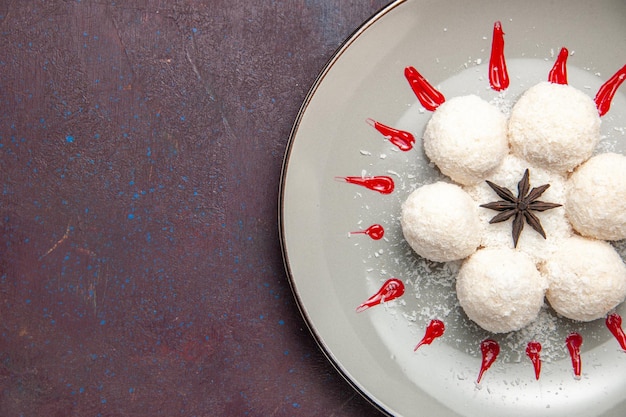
(141, 145)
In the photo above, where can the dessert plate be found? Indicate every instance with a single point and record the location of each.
(342, 240)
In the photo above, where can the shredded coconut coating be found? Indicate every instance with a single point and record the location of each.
(554, 126)
(466, 138)
(553, 221)
(587, 279)
(500, 289)
(596, 197)
(440, 222)
(552, 131)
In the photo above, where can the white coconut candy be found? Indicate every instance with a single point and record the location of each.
(586, 277)
(440, 222)
(500, 289)
(466, 138)
(596, 197)
(555, 126)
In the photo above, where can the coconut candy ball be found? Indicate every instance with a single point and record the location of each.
(586, 278)
(500, 289)
(554, 126)
(440, 222)
(596, 197)
(466, 138)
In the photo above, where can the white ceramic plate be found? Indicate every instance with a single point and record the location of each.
(333, 271)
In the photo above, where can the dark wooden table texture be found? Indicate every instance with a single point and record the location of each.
(141, 144)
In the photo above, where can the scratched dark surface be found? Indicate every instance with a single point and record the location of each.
(141, 144)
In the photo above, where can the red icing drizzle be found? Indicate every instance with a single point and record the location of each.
(391, 289)
(434, 330)
(490, 350)
(498, 74)
(402, 139)
(375, 231)
(383, 184)
(428, 96)
(574, 341)
(607, 91)
(533, 350)
(614, 323)
(558, 73)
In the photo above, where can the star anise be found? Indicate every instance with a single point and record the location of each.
(521, 207)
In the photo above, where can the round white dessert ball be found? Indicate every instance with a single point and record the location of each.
(440, 222)
(596, 197)
(500, 289)
(466, 138)
(554, 126)
(586, 278)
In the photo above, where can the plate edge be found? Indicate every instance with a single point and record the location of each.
(281, 193)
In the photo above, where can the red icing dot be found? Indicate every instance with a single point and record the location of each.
(498, 74)
(391, 289)
(605, 94)
(383, 184)
(427, 95)
(402, 139)
(574, 341)
(375, 231)
(533, 351)
(558, 73)
(490, 350)
(614, 323)
(434, 330)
